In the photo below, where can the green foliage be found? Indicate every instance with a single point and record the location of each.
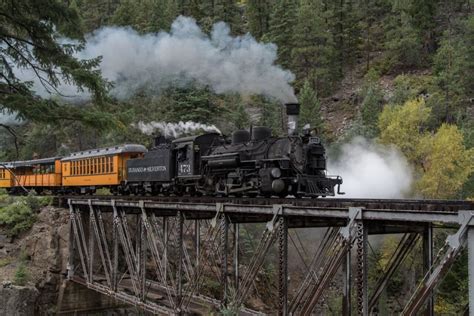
(403, 43)
(17, 217)
(5, 261)
(313, 53)
(371, 106)
(271, 114)
(310, 109)
(240, 117)
(21, 275)
(30, 35)
(18, 214)
(258, 17)
(103, 191)
(281, 29)
(454, 68)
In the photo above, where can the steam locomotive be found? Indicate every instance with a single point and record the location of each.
(252, 163)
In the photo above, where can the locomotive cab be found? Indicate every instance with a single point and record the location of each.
(188, 152)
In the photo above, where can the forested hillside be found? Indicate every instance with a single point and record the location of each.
(395, 71)
(390, 77)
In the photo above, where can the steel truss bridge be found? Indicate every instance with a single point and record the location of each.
(159, 254)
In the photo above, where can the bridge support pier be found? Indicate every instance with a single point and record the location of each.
(428, 262)
(361, 240)
(224, 249)
(179, 273)
(283, 267)
(470, 245)
(236, 254)
(347, 273)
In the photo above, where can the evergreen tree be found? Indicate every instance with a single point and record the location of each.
(126, 14)
(371, 106)
(313, 52)
(423, 14)
(281, 32)
(257, 13)
(271, 114)
(454, 69)
(310, 109)
(346, 29)
(402, 41)
(97, 13)
(372, 24)
(29, 37)
(191, 104)
(229, 12)
(240, 117)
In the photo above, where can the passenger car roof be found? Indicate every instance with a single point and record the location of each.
(30, 163)
(127, 148)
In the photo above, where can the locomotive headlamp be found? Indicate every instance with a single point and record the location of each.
(278, 185)
(275, 172)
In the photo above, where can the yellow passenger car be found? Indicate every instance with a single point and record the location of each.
(86, 171)
(38, 174)
(5, 175)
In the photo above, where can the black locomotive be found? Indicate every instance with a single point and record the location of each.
(251, 163)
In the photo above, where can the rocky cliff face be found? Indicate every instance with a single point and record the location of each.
(43, 253)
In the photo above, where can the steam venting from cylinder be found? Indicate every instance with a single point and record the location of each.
(292, 111)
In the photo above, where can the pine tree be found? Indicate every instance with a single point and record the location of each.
(347, 33)
(402, 41)
(313, 52)
(228, 12)
(97, 13)
(257, 13)
(310, 109)
(151, 16)
(423, 14)
(126, 14)
(281, 32)
(240, 117)
(454, 68)
(29, 37)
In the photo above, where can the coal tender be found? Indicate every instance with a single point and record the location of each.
(251, 163)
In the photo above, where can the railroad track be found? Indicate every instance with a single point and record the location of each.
(394, 204)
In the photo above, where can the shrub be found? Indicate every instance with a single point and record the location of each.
(103, 191)
(21, 275)
(17, 217)
(36, 202)
(4, 262)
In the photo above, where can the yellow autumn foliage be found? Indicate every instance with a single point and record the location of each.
(447, 164)
(441, 159)
(400, 126)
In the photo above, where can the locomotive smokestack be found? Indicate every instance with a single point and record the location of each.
(292, 111)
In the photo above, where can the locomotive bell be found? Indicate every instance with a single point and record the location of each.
(292, 111)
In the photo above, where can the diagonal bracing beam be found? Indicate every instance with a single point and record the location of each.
(403, 247)
(342, 244)
(451, 249)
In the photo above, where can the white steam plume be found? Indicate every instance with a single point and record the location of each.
(372, 171)
(184, 56)
(175, 129)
